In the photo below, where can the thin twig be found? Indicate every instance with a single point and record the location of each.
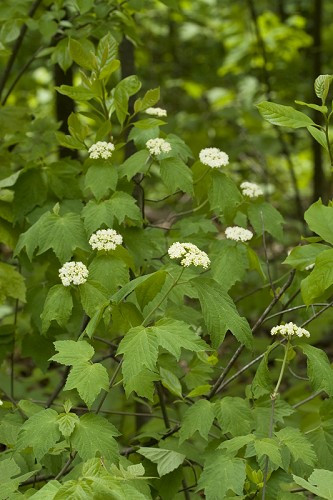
(266, 255)
(306, 400)
(113, 378)
(163, 405)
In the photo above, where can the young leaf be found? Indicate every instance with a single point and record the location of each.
(76, 93)
(284, 116)
(95, 435)
(147, 290)
(89, 379)
(319, 136)
(175, 335)
(41, 432)
(220, 313)
(176, 175)
(298, 445)
(320, 220)
(101, 178)
(198, 417)
(166, 460)
(320, 483)
(150, 98)
(263, 216)
(319, 369)
(81, 55)
(71, 352)
(231, 476)
(11, 283)
(322, 85)
(67, 422)
(234, 415)
(58, 307)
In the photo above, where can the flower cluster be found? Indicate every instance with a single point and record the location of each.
(190, 254)
(290, 330)
(251, 189)
(213, 157)
(74, 273)
(158, 146)
(237, 233)
(156, 112)
(105, 239)
(101, 149)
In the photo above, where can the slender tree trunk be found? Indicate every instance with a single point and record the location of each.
(318, 171)
(64, 105)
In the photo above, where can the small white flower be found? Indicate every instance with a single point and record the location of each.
(105, 239)
(251, 189)
(1, 402)
(156, 112)
(101, 149)
(237, 233)
(74, 273)
(290, 330)
(158, 146)
(190, 254)
(309, 267)
(213, 157)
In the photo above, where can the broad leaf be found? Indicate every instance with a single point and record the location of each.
(176, 175)
(41, 432)
(320, 220)
(234, 416)
(319, 369)
(298, 445)
(58, 307)
(166, 460)
(101, 178)
(198, 417)
(284, 116)
(71, 352)
(89, 379)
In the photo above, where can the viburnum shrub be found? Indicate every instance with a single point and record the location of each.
(124, 328)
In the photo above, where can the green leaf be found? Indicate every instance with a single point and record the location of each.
(67, 423)
(40, 432)
(81, 55)
(234, 415)
(265, 216)
(119, 206)
(150, 98)
(322, 85)
(107, 50)
(229, 263)
(176, 175)
(140, 350)
(71, 352)
(262, 383)
(197, 418)
(125, 88)
(319, 136)
(94, 435)
(58, 307)
(76, 93)
(9, 485)
(221, 474)
(129, 288)
(220, 313)
(321, 109)
(284, 116)
(89, 379)
(11, 283)
(223, 195)
(175, 335)
(147, 290)
(166, 460)
(149, 123)
(101, 178)
(110, 271)
(320, 279)
(320, 220)
(232, 446)
(171, 382)
(298, 445)
(136, 163)
(319, 369)
(269, 447)
(63, 234)
(320, 483)
(93, 296)
(302, 256)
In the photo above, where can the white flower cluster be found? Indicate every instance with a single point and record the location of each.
(290, 330)
(251, 189)
(237, 233)
(156, 112)
(1, 402)
(190, 254)
(310, 267)
(105, 239)
(74, 273)
(213, 157)
(101, 149)
(158, 146)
